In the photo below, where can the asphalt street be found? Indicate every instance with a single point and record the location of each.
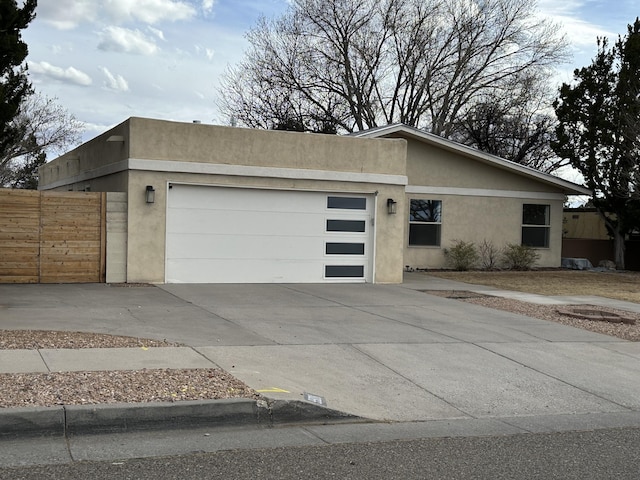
(602, 454)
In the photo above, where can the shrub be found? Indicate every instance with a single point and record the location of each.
(489, 255)
(462, 255)
(519, 257)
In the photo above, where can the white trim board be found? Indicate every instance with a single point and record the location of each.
(269, 172)
(482, 192)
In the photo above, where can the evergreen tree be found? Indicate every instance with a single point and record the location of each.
(599, 132)
(14, 84)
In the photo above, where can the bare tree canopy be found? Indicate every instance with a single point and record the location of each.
(515, 123)
(43, 126)
(350, 65)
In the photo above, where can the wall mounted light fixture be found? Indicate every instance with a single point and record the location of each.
(392, 206)
(150, 194)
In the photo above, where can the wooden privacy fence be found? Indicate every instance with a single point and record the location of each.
(52, 237)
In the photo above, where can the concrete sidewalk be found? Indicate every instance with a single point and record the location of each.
(382, 352)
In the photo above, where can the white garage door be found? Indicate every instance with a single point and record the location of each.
(241, 235)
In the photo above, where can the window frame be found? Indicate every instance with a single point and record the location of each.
(530, 226)
(438, 224)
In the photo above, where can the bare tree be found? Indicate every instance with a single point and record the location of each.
(358, 64)
(44, 127)
(514, 122)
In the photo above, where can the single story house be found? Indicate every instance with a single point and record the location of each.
(215, 204)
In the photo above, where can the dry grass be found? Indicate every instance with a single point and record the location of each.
(617, 285)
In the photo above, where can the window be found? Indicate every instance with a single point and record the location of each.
(336, 248)
(346, 271)
(535, 225)
(425, 221)
(346, 225)
(347, 203)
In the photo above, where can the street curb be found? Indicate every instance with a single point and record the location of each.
(32, 421)
(68, 420)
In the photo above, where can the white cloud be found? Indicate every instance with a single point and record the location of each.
(157, 32)
(67, 75)
(569, 15)
(114, 82)
(207, 52)
(66, 14)
(207, 5)
(118, 39)
(148, 11)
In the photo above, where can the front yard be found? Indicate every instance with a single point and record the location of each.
(617, 285)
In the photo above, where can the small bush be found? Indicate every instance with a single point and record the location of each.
(462, 256)
(489, 255)
(519, 257)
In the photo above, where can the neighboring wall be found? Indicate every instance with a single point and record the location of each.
(584, 223)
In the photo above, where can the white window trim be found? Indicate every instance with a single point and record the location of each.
(414, 222)
(546, 226)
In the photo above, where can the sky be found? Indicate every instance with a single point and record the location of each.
(108, 60)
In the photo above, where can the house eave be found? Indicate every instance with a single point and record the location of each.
(567, 187)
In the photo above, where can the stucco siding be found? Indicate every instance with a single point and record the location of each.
(87, 160)
(429, 165)
(475, 219)
(183, 142)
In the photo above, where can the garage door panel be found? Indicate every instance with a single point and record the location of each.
(244, 235)
(243, 247)
(251, 200)
(239, 270)
(244, 223)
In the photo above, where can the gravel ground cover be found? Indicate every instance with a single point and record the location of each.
(120, 386)
(84, 388)
(36, 339)
(550, 312)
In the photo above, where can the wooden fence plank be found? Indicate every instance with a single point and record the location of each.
(19, 236)
(51, 237)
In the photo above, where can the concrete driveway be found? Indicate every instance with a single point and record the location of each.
(382, 352)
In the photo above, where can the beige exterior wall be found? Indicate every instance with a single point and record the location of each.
(474, 219)
(116, 237)
(429, 165)
(199, 143)
(91, 160)
(155, 152)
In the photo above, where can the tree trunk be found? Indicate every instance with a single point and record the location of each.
(618, 249)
